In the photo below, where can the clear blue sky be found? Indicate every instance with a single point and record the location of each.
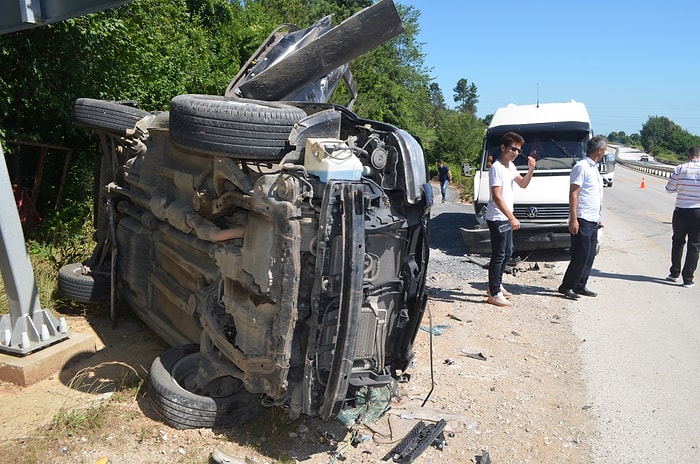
(626, 61)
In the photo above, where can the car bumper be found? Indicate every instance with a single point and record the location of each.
(526, 239)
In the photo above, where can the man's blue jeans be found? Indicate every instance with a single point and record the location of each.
(501, 251)
(443, 189)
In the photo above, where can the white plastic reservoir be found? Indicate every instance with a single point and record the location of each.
(331, 159)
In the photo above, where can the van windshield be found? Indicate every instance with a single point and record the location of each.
(552, 149)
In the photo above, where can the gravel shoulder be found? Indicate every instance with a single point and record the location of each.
(508, 381)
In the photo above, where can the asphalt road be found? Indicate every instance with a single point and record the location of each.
(640, 338)
(641, 335)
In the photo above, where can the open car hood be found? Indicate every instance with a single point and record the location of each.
(307, 64)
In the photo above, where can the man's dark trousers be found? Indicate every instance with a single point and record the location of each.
(686, 223)
(583, 247)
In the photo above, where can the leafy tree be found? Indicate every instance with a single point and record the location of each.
(661, 136)
(466, 96)
(616, 137)
(437, 101)
(679, 140)
(459, 137)
(149, 51)
(303, 13)
(392, 81)
(436, 97)
(622, 138)
(654, 132)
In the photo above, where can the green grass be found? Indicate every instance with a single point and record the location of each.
(71, 422)
(63, 237)
(128, 385)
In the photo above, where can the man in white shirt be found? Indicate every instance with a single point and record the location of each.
(685, 183)
(585, 207)
(499, 212)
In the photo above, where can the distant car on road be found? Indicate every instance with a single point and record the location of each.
(644, 158)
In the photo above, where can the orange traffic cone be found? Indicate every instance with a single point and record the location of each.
(644, 184)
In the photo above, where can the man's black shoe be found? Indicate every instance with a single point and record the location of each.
(567, 292)
(585, 292)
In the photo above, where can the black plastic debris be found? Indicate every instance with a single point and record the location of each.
(479, 356)
(416, 441)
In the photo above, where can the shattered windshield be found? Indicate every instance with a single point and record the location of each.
(552, 150)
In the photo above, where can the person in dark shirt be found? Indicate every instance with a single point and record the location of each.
(445, 177)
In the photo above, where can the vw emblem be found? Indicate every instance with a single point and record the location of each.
(531, 212)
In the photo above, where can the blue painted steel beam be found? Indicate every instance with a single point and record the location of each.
(16, 15)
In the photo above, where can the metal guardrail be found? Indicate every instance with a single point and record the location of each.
(647, 168)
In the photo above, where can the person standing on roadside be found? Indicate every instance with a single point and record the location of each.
(499, 212)
(585, 208)
(685, 183)
(445, 177)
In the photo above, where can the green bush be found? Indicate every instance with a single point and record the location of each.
(63, 237)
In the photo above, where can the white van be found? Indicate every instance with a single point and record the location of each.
(556, 134)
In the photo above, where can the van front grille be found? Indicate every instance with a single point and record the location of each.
(542, 212)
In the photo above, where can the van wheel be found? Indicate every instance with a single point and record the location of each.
(232, 127)
(223, 402)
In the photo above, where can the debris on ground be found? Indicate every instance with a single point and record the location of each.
(436, 329)
(418, 439)
(479, 356)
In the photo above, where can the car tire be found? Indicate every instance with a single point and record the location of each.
(106, 116)
(83, 287)
(184, 409)
(232, 127)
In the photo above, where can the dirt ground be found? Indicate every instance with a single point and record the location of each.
(508, 382)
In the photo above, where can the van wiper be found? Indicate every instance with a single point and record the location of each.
(563, 149)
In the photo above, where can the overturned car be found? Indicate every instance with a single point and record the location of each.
(277, 242)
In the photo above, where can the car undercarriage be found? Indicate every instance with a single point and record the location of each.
(280, 247)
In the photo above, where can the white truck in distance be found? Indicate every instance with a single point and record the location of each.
(556, 135)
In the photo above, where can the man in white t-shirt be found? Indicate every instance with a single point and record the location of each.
(585, 208)
(499, 212)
